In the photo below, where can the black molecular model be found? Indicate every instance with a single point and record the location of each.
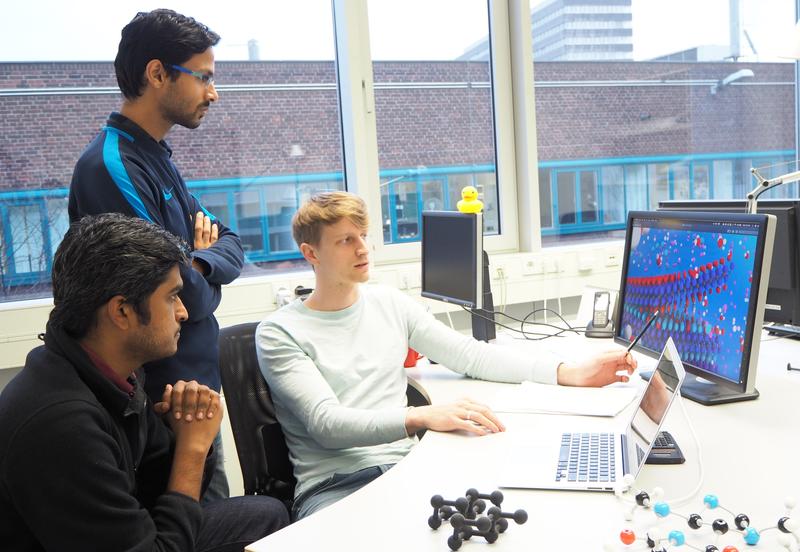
(463, 513)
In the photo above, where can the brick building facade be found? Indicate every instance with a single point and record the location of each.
(584, 111)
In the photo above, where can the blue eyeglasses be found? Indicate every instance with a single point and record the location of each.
(207, 80)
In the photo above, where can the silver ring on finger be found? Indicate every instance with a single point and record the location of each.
(469, 415)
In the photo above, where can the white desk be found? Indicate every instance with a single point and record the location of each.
(750, 454)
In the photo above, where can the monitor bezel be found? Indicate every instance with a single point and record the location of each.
(476, 245)
(755, 313)
(787, 311)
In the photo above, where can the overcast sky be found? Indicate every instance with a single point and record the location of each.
(55, 30)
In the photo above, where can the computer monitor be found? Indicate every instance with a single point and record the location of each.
(455, 267)
(783, 296)
(706, 274)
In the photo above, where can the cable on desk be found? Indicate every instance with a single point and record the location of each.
(523, 321)
(450, 319)
(684, 499)
(507, 327)
(576, 329)
(525, 334)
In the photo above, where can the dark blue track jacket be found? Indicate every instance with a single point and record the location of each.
(125, 170)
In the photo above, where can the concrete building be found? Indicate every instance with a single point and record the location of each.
(575, 30)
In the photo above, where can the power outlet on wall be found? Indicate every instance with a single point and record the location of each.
(283, 297)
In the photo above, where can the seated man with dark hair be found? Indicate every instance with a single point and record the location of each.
(85, 461)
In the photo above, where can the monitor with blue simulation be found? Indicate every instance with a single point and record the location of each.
(452, 257)
(783, 296)
(707, 275)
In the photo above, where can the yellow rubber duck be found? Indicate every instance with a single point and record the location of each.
(469, 200)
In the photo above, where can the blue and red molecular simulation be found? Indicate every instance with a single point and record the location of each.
(700, 283)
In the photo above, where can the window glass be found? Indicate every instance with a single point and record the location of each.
(701, 181)
(433, 109)
(567, 206)
(658, 183)
(681, 187)
(613, 189)
(588, 192)
(272, 139)
(636, 187)
(683, 114)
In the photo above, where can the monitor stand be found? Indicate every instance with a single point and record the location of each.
(707, 392)
(483, 318)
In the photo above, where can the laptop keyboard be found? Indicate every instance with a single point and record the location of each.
(587, 457)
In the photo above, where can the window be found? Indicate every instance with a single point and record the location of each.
(433, 110)
(660, 114)
(273, 138)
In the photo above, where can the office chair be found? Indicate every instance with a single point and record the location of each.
(260, 443)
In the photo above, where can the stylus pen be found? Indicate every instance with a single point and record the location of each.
(638, 337)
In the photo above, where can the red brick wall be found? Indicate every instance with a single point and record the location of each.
(250, 133)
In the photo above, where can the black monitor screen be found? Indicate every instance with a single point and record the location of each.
(698, 271)
(451, 253)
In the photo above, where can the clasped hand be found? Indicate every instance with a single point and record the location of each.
(189, 401)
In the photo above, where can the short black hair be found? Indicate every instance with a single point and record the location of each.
(104, 256)
(164, 35)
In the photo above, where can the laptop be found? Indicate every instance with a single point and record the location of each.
(580, 460)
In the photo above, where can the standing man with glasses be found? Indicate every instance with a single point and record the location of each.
(165, 71)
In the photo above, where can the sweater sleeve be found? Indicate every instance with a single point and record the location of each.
(225, 258)
(64, 468)
(296, 383)
(473, 358)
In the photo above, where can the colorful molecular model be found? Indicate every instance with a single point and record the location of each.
(656, 541)
(463, 516)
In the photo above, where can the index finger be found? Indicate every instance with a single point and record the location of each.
(176, 401)
(198, 225)
(167, 394)
(489, 415)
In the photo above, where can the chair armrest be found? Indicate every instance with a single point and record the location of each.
(417, 396)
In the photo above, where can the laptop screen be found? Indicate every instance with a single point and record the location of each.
(653, 406)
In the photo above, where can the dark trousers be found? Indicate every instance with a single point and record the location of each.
(231, 524)
(218, 485)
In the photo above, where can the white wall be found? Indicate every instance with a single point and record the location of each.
(516, 277)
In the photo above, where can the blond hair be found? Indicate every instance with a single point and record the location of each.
(326, 208)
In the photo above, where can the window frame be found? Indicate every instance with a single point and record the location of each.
(359, 140)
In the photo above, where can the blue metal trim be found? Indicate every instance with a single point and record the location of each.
(8, 250)
(392, 213)
(264, 221)
(463, 169)
(575, 163)
(46, 243)
(258, 257)
(265, 180)
(119, 174)
(573, 229)
(17, 195)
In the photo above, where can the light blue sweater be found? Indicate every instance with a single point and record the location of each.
(338, 382)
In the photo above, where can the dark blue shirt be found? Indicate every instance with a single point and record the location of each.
(125, 170)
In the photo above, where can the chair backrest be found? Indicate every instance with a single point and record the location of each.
(260, 443)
